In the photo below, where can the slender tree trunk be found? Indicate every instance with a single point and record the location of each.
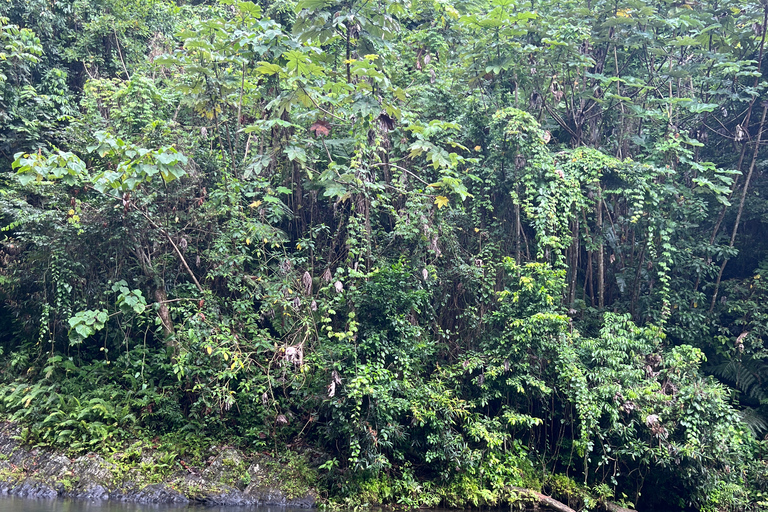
(741, 203)
(636, 285)
(600, 251)
(518, 228)
(164, 313)
(589, 279)
(157, 289)
(575, 248)
(349, 56)
(745, 125)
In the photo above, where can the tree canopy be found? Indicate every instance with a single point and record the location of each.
(454, 247)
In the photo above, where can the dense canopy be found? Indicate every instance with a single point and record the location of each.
(454, 248)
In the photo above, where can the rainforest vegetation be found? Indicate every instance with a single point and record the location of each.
(454, 247)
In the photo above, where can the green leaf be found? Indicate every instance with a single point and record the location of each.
(268, 68)
(295, 153)
(312, 5)
(83, 330)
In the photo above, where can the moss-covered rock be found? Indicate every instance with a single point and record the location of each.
(144, 474)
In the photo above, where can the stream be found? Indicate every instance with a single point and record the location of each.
(14, 504)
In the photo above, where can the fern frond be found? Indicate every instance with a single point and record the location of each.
(748, 375)
(755, 420)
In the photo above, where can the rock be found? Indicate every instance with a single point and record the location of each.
(91, 492)
(31, 488)
(228, 468)
(53, 466)
(229, 497)
(272, 497)
(93, 468)
(230, 479)
(151, 494)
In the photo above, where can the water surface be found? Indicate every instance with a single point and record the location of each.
(14, 504)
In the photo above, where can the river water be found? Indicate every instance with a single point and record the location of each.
(12, 504)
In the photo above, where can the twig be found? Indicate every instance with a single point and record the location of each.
(559, 120)
(318, 106)
(120, 54)
(326, 150)
(175, 248)
(401, 168)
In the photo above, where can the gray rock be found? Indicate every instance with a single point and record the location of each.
(152, 494)
(54, 466)
(229, 496)
(226, 467)
(91, 492)
(272, 497)
(31, 488)
(36, 473)
(92, 468)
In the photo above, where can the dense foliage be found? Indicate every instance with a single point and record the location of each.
(456, 248)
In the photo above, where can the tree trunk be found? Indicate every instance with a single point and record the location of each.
(613, 507)
(743, 152)
(157, 289)
(518, 227)
(741, 203)
(164, 313)
(600, 251)
(575, 248)
(542, 500)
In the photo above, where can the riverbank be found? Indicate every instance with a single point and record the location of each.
(140, 474)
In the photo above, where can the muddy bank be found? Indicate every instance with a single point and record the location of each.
(141, 475)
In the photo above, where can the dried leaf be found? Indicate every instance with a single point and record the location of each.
(295, 355)
(335, 381)
(387, 123)
(306, 280)
(740, 134)
(321, 127)
(651, 420)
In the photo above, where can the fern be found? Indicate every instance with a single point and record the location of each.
(747, 375)
(755, 419)
(750, 377)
